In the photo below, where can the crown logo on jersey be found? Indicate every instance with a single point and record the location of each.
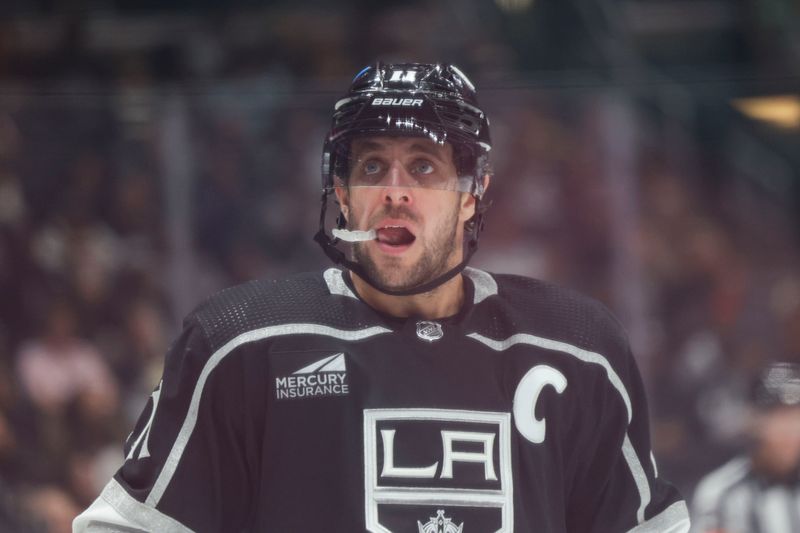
(439, 524)
(429, 331)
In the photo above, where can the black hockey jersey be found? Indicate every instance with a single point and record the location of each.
(293, 406)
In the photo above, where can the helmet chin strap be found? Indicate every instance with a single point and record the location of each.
(328, 245)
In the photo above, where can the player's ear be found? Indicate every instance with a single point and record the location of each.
(467, 206)
(343, 198)
(468, 200)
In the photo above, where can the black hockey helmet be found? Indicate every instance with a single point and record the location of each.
(435, 101)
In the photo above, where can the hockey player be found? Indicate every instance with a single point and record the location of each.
(404, 392)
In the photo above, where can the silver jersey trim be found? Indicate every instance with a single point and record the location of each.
(171, 464)
(141, 515)
(485, 285)
(584, 355)
(336, 285)
(673, 519)
(639, 477)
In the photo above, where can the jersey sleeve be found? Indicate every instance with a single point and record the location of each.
(617, 488)
(188, 466)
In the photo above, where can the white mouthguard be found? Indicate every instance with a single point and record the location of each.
(354, 236)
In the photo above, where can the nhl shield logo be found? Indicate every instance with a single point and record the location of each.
(429, 331)
(439, 524)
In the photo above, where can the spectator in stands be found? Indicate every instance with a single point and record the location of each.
(59, 367)
(71, 400)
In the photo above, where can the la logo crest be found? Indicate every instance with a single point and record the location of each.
(426, 460)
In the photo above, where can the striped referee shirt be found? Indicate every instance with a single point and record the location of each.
(735, 499)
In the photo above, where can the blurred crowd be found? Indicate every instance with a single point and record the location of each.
(124, 203)
(101, 255)
(82, 314)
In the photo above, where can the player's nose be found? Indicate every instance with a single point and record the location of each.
(398, 184)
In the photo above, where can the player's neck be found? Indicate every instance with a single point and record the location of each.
(443, 301)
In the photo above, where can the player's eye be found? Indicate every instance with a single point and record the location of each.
(422, 167)
(368, 171)
(371, 167)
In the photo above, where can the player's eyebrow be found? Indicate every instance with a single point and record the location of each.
(366, 146)
(427, 148)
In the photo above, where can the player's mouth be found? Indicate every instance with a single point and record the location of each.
(394, 237)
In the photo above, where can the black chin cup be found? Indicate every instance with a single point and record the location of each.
(328, 243)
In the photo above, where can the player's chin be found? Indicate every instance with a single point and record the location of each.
(397, 281)
(395, 272)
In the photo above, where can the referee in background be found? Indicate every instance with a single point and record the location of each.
(759, 492)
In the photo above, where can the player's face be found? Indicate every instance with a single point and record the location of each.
(416, 212)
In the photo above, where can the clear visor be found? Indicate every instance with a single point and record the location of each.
(424, 166)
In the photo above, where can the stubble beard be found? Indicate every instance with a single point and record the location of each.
(433, 262)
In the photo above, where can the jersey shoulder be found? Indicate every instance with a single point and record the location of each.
(544, 309)
(306, 298)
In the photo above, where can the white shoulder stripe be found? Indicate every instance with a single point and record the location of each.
(548, 344)
(639, 477)
(485, 285)
(673, 519)
(116, 510)
(171, 464)
(336, 285)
